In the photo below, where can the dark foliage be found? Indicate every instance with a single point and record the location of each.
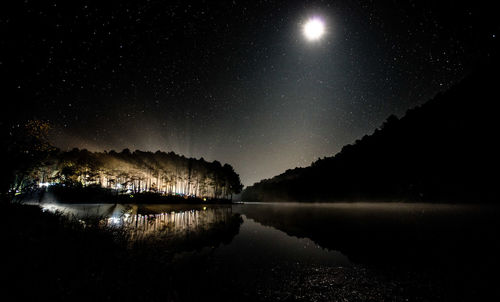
(444, 150)
(23, 146)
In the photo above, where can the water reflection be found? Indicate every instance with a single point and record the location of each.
(365, 232)
(283, 250)
(172, 227)
(249, 240)
(383, 233)
(173, 223)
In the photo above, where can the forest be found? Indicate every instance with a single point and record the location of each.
(137, 172)
(32, 165)
(445, 150)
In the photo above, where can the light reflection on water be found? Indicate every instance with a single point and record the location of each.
(287, 244)
(170, 223)
(148, 220)
(314, 233)
(246, 242)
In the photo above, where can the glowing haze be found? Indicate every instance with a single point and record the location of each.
(314, 29)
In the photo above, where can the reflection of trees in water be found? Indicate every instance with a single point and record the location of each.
(395, 234)
(180, 230)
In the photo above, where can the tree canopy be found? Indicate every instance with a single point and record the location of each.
(139, 171)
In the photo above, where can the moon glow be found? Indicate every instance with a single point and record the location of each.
(314, 29)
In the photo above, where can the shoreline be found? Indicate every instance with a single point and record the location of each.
(106, 196)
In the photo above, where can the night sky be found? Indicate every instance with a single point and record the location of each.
(235, 81)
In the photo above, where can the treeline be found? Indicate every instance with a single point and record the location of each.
(444, 150)
(137, 172)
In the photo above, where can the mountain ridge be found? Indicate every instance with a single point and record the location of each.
(442, 150)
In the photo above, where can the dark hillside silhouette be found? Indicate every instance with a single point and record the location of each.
(444, 150)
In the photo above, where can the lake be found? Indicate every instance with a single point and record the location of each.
(320, 251)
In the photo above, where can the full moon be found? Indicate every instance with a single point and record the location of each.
(314, 29)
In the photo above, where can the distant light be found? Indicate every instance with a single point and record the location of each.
(114, 220)
(314, 29)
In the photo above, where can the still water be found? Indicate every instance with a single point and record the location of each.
(251, 241)
(327, 233)
(283, 250)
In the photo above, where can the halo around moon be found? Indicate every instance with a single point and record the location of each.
(314, 29)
